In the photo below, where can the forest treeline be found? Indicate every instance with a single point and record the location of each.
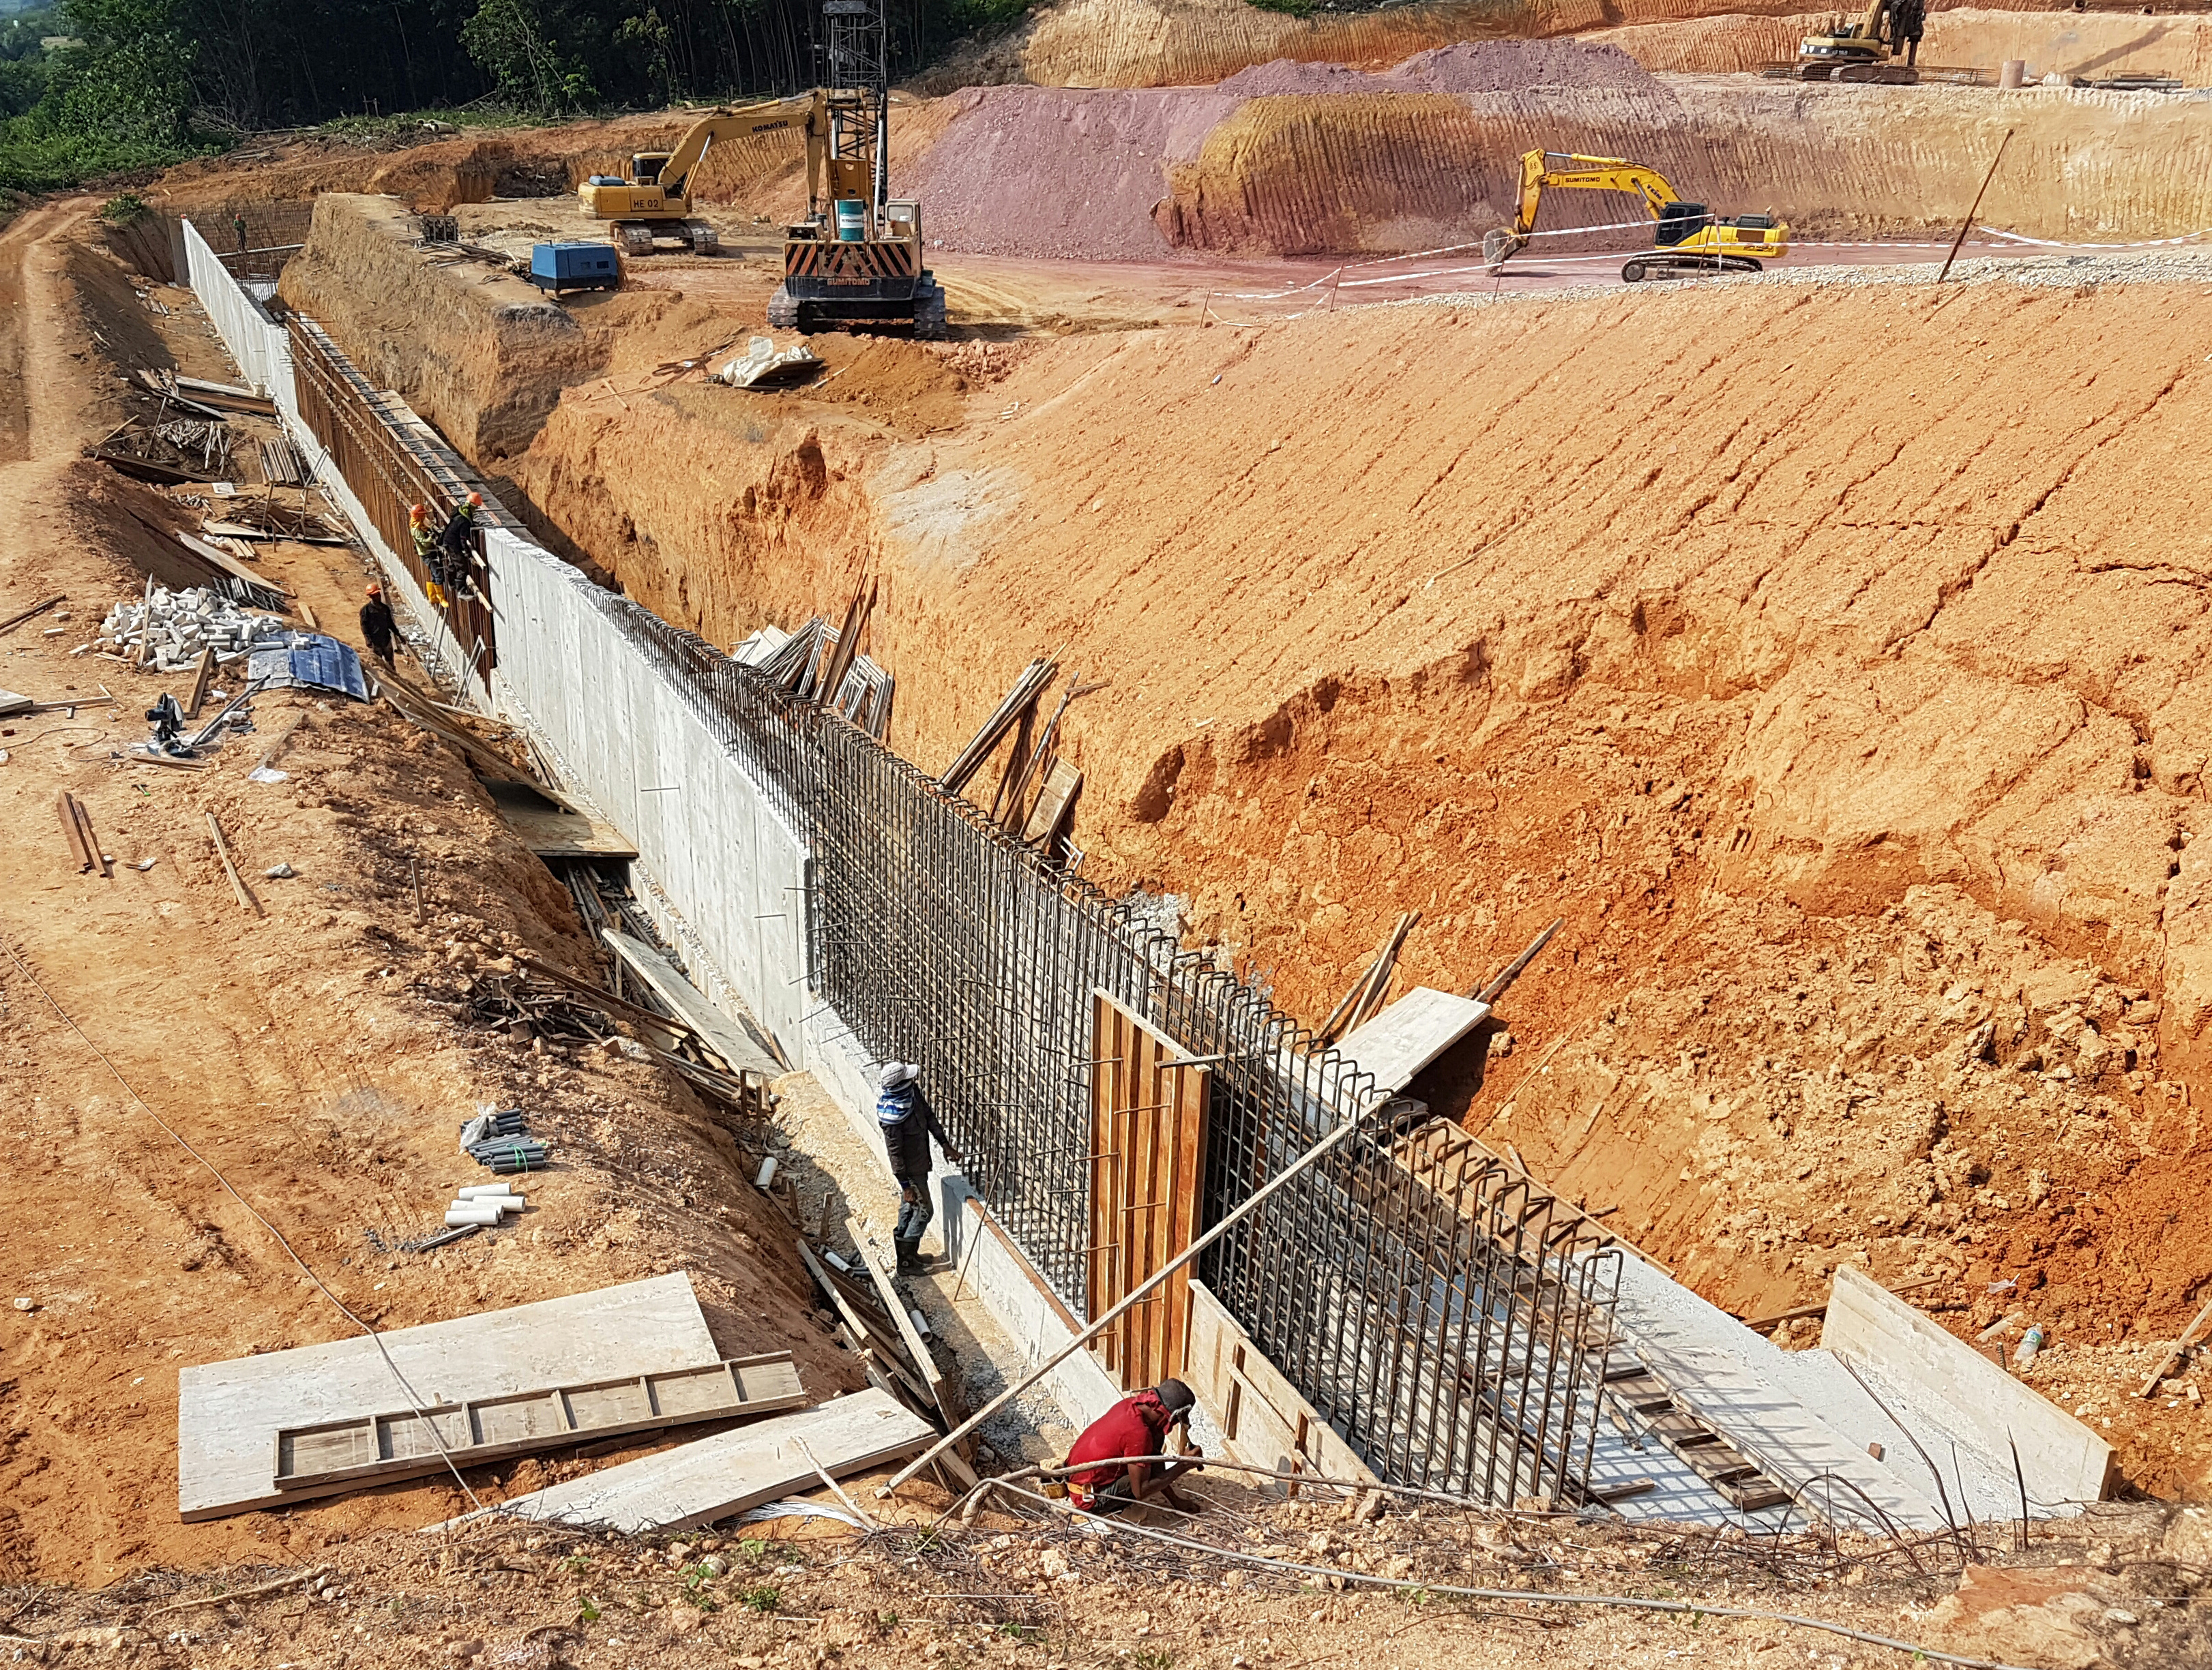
(97, 86)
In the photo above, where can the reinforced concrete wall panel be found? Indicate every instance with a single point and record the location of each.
(257, 344)
(1964, 1394)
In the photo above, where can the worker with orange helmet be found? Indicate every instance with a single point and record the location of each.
(427, 557)
(377, 626)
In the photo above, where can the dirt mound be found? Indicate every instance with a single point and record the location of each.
(1036, 171)
(1281, 75)
(1182, 42)
(1396, 172)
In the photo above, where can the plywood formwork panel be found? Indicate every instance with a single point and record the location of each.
(405, 1444)
(697, 1484)
(229, 1414)
(1147, 1153)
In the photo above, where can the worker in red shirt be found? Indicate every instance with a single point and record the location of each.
(1136, 1426)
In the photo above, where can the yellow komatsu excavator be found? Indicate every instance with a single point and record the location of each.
(1687, 237)
(856, 261)
(655, 198)
(1862, 51)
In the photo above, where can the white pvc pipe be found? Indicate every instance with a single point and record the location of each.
(480, 1191)
(463, 1212)
(767, 1173)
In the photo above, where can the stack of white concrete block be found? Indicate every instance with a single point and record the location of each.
(184, 624)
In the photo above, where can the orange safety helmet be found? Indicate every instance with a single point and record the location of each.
(375, 591)
(476, 502)
(417, 513)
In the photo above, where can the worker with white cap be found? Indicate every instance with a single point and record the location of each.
(909, 1123)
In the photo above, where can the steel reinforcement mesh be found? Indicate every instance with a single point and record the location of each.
(1453, 1334)
(1453, 1345)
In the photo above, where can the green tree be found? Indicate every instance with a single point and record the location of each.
(535, 52)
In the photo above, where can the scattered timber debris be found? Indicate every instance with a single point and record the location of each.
(84, 844)
(33, 612)
(1372, 990)
(282, 464)
(799, 663)
(1045, 821)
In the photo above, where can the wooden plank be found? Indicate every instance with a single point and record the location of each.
(35, 610)
(398, 1444)
(861, 1332)
(722, 1035)
(1054, 802)
(1410, 1033)
(73, 832)
(2173, 1353)
(712, 1479)
(246, 901)
(207, 551)
(202, 675)
(941, 1392)
(229, 1414)
(551, 830)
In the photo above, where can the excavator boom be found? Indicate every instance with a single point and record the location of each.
(1587, 173)
(658, 186)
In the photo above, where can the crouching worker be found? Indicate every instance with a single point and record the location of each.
(909, 1123)
(1136, 1426)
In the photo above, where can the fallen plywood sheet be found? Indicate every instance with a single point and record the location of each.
(698, 1483)
(229, 1414)
(551, 829)
(1410, 1033)
(724, 1036)
(210, 553)
(402, 1444)
(1977, 1403)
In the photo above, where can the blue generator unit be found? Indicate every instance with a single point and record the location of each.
(558, 267)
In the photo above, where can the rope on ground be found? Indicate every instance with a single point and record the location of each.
(1535, 1597)
(414, 1402)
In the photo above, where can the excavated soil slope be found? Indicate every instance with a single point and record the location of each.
(1298, 175)
(2067, 43)
(1830, 658)
(1182, 43)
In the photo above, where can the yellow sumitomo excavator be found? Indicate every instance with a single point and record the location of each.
(1688, 238)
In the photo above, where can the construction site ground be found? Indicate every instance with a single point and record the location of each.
(1825, 647)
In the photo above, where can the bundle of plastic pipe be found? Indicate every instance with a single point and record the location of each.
(484, 1204)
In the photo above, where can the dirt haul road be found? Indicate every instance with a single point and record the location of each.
(313, 1055)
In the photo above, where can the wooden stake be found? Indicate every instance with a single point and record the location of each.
(14, 621)
(203, 676)
(246, 901)
(276, 744)
(2188, 1339)
(65, 804)
(1967, 225)
(146, 625)
(415, 869)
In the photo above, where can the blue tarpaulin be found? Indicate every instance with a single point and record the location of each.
(309, 660)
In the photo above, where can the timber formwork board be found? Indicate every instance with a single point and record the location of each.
(407, 1445)
(229, 1414)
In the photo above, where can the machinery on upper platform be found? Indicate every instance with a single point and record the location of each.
(1862, 51)
(1688, 238)
(855, 260)
(655, 199)
(860, 264)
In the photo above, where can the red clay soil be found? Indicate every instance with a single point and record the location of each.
(1473, 66)
(1825, 656)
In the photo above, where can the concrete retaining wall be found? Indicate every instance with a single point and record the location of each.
(256, 341)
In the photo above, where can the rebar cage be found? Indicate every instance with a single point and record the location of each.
(1442, 1314)
(1442, 1321)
